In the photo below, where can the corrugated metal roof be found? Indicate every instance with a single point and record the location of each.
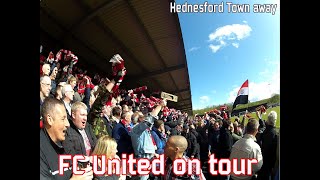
(143, 32)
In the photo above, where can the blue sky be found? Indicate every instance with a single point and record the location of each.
(225, 49)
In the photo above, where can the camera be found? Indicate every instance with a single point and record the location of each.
(84, 163)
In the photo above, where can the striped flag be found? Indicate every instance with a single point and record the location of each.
(243, 94)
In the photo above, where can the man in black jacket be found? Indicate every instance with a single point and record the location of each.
(193, 150)
(225, 144)
(55, 126)
(80, 138)
(268, 141)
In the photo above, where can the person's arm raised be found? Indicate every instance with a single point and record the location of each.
(156, 110)
(104, 91)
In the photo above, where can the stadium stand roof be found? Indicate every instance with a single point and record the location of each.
(143, 32)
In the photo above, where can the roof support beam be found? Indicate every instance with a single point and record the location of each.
(54, 21)
(108, 31)
(91, 15)
(58, 44)
(140, 22)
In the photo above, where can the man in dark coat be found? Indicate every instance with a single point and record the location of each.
(51, 137)
(268, 143)
(80, 138)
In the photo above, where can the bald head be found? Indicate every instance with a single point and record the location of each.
(46, 69)
(175, 147)
(45, 86)
(179, 142)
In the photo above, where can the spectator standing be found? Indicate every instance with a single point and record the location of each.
(247, 148)
(80, 138)
(121, 133)
(67, 98)
(269, 140)
(51, 138)
(174, 149)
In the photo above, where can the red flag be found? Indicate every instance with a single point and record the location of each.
(243, 94)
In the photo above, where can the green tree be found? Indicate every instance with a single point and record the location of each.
(275, 98)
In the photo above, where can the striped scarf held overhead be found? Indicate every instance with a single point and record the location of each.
(116, 86)
(115, 90)
(117, 64)
(66, 55)
(139, 89)
(133, 93)
(165, 111)
(151, 102)
(50, 57)
(81, 87)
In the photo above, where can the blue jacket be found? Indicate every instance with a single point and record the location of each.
(141, 140)
(121, 134)
(160, 140)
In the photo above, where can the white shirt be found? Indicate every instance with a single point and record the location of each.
(87, 144)
(247, 148)
(116, 119)
(68, 107)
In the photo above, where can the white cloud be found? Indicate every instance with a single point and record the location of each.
(235, 45)
(257, 91)
(245, 22)
(193, 49)
(264, 73)
(225, 34)
(233, 94)
(229, 32)
(204, 99)
(214, 48)
(262, 90)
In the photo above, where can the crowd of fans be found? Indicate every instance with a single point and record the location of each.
(94, 116)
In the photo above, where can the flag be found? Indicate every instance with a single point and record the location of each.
(243, 94)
